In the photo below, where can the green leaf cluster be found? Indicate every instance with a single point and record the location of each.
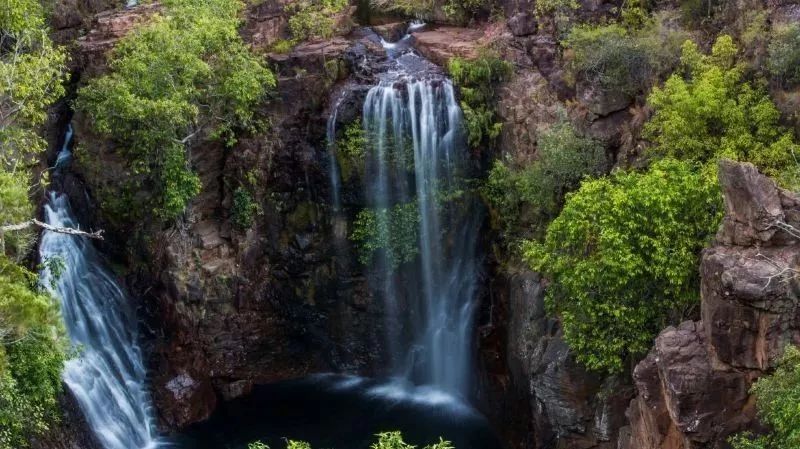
(185, 74)
(32, 348)
(244, 209)
(476, 80)
(709, 112)
(623, 256)
(527, 198)
(784, 55)
(314, 18)
(386, 440)
(393, 231)
(351, 150)
(32, 354)
(777, 399)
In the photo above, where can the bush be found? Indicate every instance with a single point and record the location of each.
(386, 440)
(32, 354)
(784, 55)
(777, 397)
(528, 198)
(619, 60)
(186, 74)
(700, 12)
(712, 113)
(244, 209)
(393, 231)
(623, 257)
(351, 150)
(476, 80)
(314, 18)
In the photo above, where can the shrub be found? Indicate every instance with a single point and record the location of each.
(32, 355)
(393, 231)
(713, 113)
(777, 397)
(186, 74)
(476, 80)
(351, 150)
(244, 209)
(530, 197)
(617, 59)
(420, 9)
(386, 440)
(623, 255)
(314, 18)
(784, 55)
(700, 12)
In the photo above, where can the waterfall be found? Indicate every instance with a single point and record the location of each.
(108, 376)
(417, 157)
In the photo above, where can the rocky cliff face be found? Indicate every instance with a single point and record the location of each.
(693, 386)
(228, 307)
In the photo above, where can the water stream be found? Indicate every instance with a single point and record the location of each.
(108, 376)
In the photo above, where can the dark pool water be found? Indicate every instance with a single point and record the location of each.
(341, 412)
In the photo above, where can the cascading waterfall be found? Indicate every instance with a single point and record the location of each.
(108, 376)
(417, 156)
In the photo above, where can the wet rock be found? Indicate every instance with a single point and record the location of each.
(71, 432)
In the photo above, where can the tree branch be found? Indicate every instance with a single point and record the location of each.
(61, 230)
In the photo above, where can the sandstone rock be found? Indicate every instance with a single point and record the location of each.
(693, 387)
(601, 101)
(442, 43)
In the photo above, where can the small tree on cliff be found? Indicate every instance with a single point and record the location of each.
(778, 401)
(186, 74)
(623, 256)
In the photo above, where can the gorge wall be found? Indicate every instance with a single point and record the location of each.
(227, 307)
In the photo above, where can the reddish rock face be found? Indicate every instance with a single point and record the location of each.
(439, 44)
(693, 386)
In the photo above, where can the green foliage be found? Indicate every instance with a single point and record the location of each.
(386, 440)
(244, 209)
(777, 399)
(559, 10)
(421, 9)
(530, 197)
(700, 12)
(185, 74)
(21, 16)
(31, 357)
(712, 113)
(623, 256)
(620, 60)
(351, 150)
(390, 230)
(314, 18)
(784, 55)
(476, 80)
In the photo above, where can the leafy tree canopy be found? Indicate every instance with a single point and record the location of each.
(708, 112)
(623, 255)
(777, 399)
(185, 74)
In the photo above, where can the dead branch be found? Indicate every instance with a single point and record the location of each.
(61, 230)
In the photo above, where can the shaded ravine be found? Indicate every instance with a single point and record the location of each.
(108, 375)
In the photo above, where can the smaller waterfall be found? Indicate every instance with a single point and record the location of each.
(333, 167)
(108, 376)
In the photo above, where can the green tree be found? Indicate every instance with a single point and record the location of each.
(707, 111)
(31, 332)
(184, 75)
(314, 18)
(623, 257)
(777, 399)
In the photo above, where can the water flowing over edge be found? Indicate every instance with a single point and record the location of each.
(108, 377)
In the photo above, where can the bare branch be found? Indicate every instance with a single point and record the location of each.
(61, 230)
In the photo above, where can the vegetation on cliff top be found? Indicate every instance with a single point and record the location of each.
(183, 76)
(32, 347)
(777, 399)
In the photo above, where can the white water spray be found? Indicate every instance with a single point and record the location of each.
(108, 376)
